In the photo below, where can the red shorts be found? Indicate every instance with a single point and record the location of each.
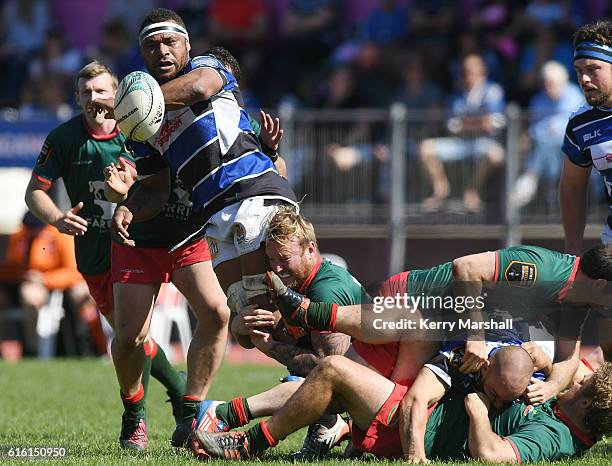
(153, 265)
(383, 357)
(380, 357)
(383, 435)
(101, 290)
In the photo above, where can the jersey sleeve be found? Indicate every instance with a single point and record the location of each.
(334, 291)
(571, 148)
(51, 161)
(147, 159)
(518, 266)
(208, 61)
(540, 440)
(395, 285)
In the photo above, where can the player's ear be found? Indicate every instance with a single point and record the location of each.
(188, 45)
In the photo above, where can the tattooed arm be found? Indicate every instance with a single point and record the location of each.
(299, 360)
(426, 390)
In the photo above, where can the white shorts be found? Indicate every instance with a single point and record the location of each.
(240, 228)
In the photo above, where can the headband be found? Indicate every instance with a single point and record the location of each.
(161, 28)
(593, 50)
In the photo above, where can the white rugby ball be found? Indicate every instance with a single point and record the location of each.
(139, 106)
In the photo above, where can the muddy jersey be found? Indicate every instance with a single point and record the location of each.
(72, 152)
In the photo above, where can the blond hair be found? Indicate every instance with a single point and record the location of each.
(287, 224)
(598, 419)
(93, 69)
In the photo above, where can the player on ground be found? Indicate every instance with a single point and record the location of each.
(78, 151)
(293, 253)
(537, 278)
(207, 143)
(458, 428)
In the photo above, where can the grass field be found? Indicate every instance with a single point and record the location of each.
(74, 404)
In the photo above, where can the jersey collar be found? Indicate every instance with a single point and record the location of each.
(97, 136)
(576, 431)
(312, 275)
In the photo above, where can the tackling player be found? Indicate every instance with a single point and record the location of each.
(293, 253)
(538, 279)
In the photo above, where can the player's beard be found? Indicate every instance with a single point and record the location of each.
(597, 99)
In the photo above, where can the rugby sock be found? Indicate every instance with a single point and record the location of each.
(146, 375)
(162, 370)
(134, 404)
(235, 413)
(189, 407)
(259, 438)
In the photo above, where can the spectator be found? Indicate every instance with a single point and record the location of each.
(117, 49)
(40, 260)
(550, 108)
(477, 118)
(544, 46)
(386, 24)
(24, 24)
(55, 58)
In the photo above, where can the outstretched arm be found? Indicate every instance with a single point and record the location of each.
(188, 89)
(426, 390)
(469, 273)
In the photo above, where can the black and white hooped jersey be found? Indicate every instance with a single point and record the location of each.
(588, 141)
(211, 149)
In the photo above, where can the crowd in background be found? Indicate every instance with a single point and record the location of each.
(313, 53)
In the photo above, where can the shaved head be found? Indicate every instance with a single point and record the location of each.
(508, 375)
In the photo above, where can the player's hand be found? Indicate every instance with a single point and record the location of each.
(477, 404)
(120, 177)
(475, 356)
(539, 392)
(414, 459)
(106, 106)
(261, 341)
(122, 218)
(250, 320)
(271, 132)
(292, 305)
(70, 223)
(541, 360)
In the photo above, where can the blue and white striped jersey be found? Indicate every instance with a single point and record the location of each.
(212, 150)
(588, 141)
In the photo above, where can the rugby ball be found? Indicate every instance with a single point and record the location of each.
(139, 106)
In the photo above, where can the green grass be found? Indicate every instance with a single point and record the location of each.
(75, 404)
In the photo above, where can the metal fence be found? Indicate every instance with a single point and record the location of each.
(360, 172)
